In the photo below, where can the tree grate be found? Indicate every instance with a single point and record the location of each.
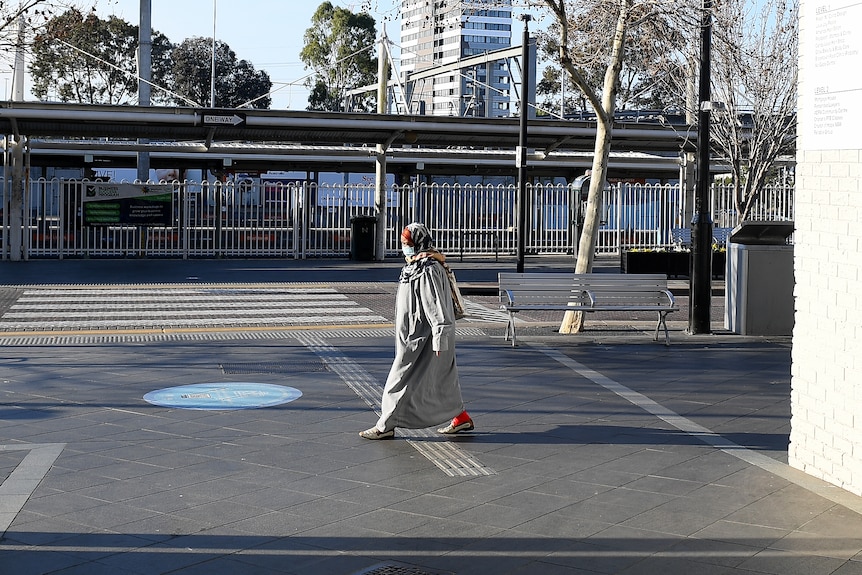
(275, 368)
(398, 569)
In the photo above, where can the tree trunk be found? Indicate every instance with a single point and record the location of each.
(573, 322)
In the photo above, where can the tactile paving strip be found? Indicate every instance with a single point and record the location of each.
(61, 338)
(446, 455)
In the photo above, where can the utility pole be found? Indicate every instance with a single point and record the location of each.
(213, 62)
(380, 154)
(145, 75)
(18, 180)
(700, 287)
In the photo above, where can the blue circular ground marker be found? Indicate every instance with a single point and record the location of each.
(223, 395)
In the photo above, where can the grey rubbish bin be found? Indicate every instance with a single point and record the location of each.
(759, 279)
(362, 233)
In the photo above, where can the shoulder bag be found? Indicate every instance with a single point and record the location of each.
(457, 299)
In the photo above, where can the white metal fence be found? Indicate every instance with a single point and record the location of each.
(301, 220)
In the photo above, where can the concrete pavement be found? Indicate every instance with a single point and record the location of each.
(602, 452)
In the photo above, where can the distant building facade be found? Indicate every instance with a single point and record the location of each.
(439, 32)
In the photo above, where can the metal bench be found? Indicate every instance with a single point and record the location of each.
(586, 293)
(681, 237)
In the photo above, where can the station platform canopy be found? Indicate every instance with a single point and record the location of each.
(69, 134)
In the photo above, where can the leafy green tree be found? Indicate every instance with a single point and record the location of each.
(86, 59)
(237, 83)
(338, 48)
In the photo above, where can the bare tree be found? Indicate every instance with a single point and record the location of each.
(754, 79)
(34, 13)
(594, 33)
(31, 13)
(754, 75)
(755, 67)
(642, 82)
(602, 102)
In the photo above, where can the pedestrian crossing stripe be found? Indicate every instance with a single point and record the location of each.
(180, 296)
(157, 310)
(194, 307)
(77, 308)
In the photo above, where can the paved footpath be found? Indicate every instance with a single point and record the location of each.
(220, 441)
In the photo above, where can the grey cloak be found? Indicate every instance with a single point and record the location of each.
(422, 389)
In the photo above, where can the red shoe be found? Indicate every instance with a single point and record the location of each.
(454, 427)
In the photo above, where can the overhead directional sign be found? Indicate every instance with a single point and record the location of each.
(222, 118)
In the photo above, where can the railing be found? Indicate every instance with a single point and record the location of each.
(301, 220)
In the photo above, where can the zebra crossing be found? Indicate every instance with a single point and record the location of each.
(94, 308)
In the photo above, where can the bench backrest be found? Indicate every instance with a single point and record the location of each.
(681, 237)
(604, 289)
(538, 288)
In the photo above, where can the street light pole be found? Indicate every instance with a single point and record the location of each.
(521, 154)
(700, 287)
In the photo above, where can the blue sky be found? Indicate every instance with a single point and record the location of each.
(267, 33)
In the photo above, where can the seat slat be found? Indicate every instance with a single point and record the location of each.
(585, 292)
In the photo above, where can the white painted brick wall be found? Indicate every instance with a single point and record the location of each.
(826, 397)
(826, 374)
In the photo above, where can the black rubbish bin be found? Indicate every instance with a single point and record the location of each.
(362, 233)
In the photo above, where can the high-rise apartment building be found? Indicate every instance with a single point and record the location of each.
(442, 32)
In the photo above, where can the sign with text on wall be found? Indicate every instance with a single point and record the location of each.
(129, 204)
(833, 86)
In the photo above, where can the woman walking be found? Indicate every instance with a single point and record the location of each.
(422, 388)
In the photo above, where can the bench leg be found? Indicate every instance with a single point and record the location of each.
(510, 328)
(662, 322)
